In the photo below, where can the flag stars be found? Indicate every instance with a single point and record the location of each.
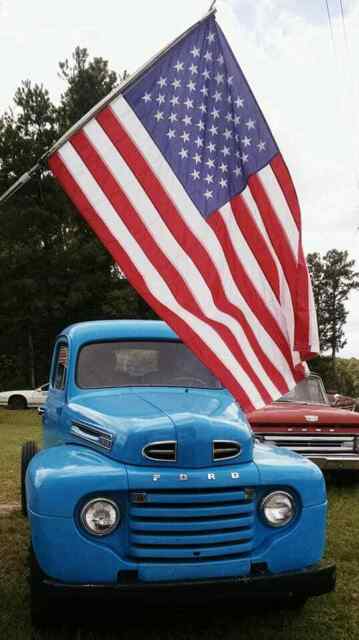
(236, 120)
(239, 102)
(199, 142)
(223, 167)
(195, 174)
(206, 74)
(183, 153)
(171, 133)
(159, 115)
(188, 103)
(208, 56)
(219, 78)
(147, 97)
(210, 163)
(227, 133)
(230, 80)
(211, 36)
(225, 151)
(213, 130)
(195, 52)
(185, 136)
(197, 158)
(174, 101)
(261, 145)
(202, 107)
(200, 125)
(220, 61)
(208, 194)
(176, 83)
(179, 66)
(250, 124)
(229, 116)
(209, 178)
(204, 91)
(244, 158)
(173, 117)
(187, 120)
(215, 113)
(191, 86)
(193, 69)
(217, 96)
(237, 171)
(160, 98)
(211, 147)
(223, 183)
(246, 141)
(162, 82)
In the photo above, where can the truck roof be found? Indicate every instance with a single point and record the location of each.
(118, 329)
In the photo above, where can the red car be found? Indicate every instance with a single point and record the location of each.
(304, 420)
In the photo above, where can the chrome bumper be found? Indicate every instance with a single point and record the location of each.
(330, 462)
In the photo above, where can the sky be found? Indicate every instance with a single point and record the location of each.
(303, 75)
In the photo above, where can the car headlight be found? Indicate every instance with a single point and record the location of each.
(278, 508)
(100, 516)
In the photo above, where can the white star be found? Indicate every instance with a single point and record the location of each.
(160, 98)
(238, 154)
(195, 174)
(183, 153)
(213, 130)
(171, 134)
(229, 116)
(223, 182)
(204, 91)
(208, 56)
(199, 142)
(227, 133)
(219, 78)
(236, 119)
(191, 85)
(179, 66)
(210, 163)
(206, 74)
(261, 146)
(185, 136)
(246, 141)
(200, 125)
(162, 82)
(147, 97)
(220, 60)
(237, 171)
(250, 124)
(202, 107)
(159, 115)
(189, 103)
(209, 178)
(217, 96)
(230, 80)
(211, 36)
(195, 52)
(223, 167)
(187, 120)
(208, 194)
(225, 151)
(193, 68)
(197, 158)
(215, 113)
(239, 102)
(211, 147)
(244, 158)
(174, 101)
(176, 83)
(229, 98)
(173, 117)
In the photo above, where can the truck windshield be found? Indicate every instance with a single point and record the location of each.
(309, 390)
(137, 364)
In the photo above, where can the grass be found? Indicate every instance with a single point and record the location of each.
(331, 617)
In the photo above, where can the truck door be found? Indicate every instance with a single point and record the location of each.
(52, 416)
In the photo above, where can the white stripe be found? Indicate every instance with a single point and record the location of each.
(171, 248)
(280, 207)
(198, 226)
(152, 278)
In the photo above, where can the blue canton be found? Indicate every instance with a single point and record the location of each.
(197, 106)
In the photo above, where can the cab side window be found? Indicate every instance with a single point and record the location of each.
(60, 369)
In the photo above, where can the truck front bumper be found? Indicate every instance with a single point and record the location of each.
(313, 581)
(336, 463)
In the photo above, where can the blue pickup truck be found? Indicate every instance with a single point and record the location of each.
(151, 484)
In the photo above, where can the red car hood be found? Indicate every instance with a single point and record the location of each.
(293, 413)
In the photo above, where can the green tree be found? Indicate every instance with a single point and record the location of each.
(333, 277)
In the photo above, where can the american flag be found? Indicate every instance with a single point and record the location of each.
(182, 181)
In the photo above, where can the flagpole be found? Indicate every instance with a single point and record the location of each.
(26, 177)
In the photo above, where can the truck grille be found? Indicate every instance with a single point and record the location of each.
(183, 526)
(313, 444)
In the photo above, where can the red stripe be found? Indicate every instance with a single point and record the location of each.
(256, 242)
(183, 330)
(249, 291)
(302, 324)
(179, 229)
(282, 174)
(139, 231)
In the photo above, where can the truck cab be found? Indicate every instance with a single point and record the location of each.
(151, 483)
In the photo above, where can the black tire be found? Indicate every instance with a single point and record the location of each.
(28, 450)
(41, 606)
(17, 403)
(295, 603)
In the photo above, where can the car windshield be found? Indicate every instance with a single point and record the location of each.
(137, 364)
(309, 390)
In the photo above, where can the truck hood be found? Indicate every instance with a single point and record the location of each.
(302, 414)
(191, 418)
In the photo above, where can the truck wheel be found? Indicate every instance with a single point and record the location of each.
(17, 402)
(296, 603)
(28, 450)
(41, 608)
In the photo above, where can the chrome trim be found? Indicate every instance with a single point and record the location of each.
(88, 504)
(161, 442)
(345, 438)
(92, 434)
(266, 498)
(236, 444)
(336, 463)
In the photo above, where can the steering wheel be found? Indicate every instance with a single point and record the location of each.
(185, 379)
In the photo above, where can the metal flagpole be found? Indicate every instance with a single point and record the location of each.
(24, 179)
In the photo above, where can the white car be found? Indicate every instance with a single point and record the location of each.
(25, 398)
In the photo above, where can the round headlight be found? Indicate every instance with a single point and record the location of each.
(278, 508)
(100, 516)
